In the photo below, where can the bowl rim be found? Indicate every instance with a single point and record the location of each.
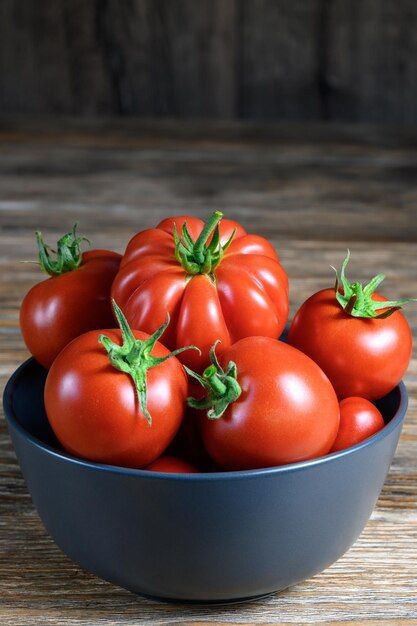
(12, 421)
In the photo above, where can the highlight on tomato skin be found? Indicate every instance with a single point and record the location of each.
(171, 465)
(359, 419)
(215, 280)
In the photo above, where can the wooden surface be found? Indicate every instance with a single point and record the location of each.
(304, 59)
(313, 191)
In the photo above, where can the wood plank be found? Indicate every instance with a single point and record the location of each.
(116, 177)
(279, 59)
(173, 58)
(51, 60)
(211, 58)
(371, 67)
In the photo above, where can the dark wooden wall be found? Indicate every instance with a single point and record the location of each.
(271, 59)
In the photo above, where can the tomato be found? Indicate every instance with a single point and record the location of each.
(359, 419)
(75, 299)
(116, 397)
(216, 282)
(268, 404)
(171, 465)
(188, 443)
(360, 340)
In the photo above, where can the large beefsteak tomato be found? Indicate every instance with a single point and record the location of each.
(215, 280)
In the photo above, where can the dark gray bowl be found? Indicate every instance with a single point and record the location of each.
(220, 537)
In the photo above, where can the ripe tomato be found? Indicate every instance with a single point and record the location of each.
(359, 419)
(188, 443)
(216, 282)
(75, 299)
(271, 405)
(171, 465)
(113, 402)
(359, 339)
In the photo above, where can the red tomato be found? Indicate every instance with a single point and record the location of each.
(216, 282)
(171, 465)
(188, 443)
(93, 406)
(75, 299)
(359, 419)
(346, 332)
(271, 405)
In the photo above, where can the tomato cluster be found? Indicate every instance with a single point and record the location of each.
(193, 376)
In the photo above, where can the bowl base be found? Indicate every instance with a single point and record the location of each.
(208, 602)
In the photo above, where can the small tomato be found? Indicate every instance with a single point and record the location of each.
(359, 419)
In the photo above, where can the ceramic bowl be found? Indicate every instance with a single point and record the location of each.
(215, 537)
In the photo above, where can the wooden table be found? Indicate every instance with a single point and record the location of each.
(314, 191)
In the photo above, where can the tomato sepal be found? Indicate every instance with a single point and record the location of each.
(200, 257)
(356, 300)
(222, 386)
(134, 355)
(68, 256)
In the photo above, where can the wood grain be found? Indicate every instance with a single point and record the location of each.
(372, 60)
(280, 59)
(274, 59)
(313, 191)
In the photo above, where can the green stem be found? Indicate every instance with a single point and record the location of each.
(68, 256)
(356, 300)
(134, 356)
(222, 387)
(205, 234)
(214, 381)
(201, 257)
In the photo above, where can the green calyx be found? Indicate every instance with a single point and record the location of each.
(134, 356)
(66, 258)
(201, 257)
(356, 299)
(222, 387)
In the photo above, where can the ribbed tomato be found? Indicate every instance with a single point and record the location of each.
(215, 280)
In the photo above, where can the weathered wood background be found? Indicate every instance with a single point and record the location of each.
(276, 59)
(314, 191)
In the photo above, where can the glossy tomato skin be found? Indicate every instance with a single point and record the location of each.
(60, 308)
(359, 419)
(287, 411)
(247, 294)
(361, 356)
(93, 408)
(171, 465)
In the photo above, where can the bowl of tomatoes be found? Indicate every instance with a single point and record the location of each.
(199, 537)
(181, 449)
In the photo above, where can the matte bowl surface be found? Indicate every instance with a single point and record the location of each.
(219, 537)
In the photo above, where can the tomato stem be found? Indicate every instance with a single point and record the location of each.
(221, 385)
(204, 235)
(68, 256)
(201, 257)
(356, 300)
(134, 356)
